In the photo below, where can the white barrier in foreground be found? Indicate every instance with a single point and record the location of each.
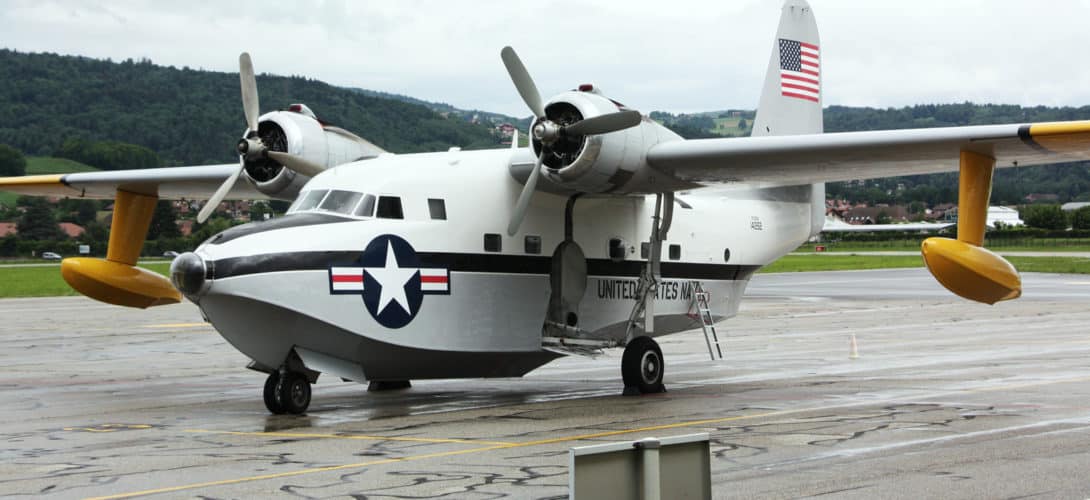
(648, 469)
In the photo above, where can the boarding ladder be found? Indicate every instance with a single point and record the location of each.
(700, 300)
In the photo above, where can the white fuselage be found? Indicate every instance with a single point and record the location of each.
(272, 286)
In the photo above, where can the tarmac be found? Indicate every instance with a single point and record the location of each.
(946, 399)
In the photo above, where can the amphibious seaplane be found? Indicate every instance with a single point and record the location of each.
(608, 230)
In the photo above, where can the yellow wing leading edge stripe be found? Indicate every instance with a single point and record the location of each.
(1059, 137)
(34, 180)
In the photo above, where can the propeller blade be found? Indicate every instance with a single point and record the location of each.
(220, 194)
(249, 90)
(523, 83)
(296, 163)
(605, 124)
(524, 199)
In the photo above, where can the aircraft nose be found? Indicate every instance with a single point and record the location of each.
(187, 273)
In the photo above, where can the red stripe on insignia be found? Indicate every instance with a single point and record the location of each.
(348, 278)
(433, 279)
(809, 72)
(809, 46)
(800, 96)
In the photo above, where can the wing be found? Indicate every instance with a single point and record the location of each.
(807, 159)
(191, 183)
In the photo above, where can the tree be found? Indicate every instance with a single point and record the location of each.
(1044, 217)
(163, 223)
(12, 162)
(742, 124)
(38, 222)
(1081, 218)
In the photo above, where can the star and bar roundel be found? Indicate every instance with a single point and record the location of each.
(389, 277)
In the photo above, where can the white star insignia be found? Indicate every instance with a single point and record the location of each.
(393, 280)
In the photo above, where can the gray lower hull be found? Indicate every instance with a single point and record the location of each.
(268, 334)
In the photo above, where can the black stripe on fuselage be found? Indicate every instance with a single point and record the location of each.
(471, 262)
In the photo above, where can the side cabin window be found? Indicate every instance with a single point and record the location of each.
(437, 208)
(675, 252)
(493, 242)
(389, 207)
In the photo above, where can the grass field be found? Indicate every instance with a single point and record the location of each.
(43, 165)
(729, 127)
(46, 281)
(1017, 245)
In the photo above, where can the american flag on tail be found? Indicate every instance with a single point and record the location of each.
(800, 70)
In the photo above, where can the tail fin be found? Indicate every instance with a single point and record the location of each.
(791, 98)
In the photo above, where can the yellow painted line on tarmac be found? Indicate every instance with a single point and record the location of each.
(595, 435)
(179, 325)
(352, 436)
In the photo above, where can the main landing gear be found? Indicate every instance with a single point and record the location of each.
(287, 392)
(642, 367)
(642, 364)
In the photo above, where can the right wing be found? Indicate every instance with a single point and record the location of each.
(191, 183)
(807, 159)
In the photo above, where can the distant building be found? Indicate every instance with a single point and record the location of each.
(1074, 205)
(72, 230)
(7, 228)
(1005, 216)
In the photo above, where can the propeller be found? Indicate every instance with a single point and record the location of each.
(548, 131)
(252, 147)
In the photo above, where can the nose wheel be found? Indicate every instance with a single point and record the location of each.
(642, 367)
(287, 393)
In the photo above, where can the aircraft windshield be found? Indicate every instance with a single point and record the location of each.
(337, 201)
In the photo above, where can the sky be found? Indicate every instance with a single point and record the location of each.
(677, 56)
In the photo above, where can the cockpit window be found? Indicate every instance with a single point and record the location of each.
(309, 200)
(341, 201)
(366, 208)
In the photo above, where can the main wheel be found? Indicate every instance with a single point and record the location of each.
(272, 402)
(293, 393)
(642, 365)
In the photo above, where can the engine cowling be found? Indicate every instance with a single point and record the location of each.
(607, 163)
(299, 133)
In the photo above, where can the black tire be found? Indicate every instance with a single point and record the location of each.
(272, 402)
(642, 365)
(293, 393)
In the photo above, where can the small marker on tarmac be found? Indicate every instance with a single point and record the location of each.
(853, 352)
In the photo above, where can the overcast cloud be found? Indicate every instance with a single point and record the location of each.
(682, 55)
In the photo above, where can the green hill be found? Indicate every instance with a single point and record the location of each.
(41, 165)
(189, 116)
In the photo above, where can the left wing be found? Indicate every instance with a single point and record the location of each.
(815, 158)
(191, 183)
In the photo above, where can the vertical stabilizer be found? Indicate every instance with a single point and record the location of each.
(791, 98)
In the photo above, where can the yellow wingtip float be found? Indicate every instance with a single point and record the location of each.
(963, 266)
(971, 271)
(117, 283)
(116, 279)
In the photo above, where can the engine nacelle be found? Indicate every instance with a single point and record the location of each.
(299, 133)
(608, 163)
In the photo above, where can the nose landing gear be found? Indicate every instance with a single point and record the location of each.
(287, 392)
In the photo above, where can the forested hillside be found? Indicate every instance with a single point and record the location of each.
(189, 116)
(92, 110)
